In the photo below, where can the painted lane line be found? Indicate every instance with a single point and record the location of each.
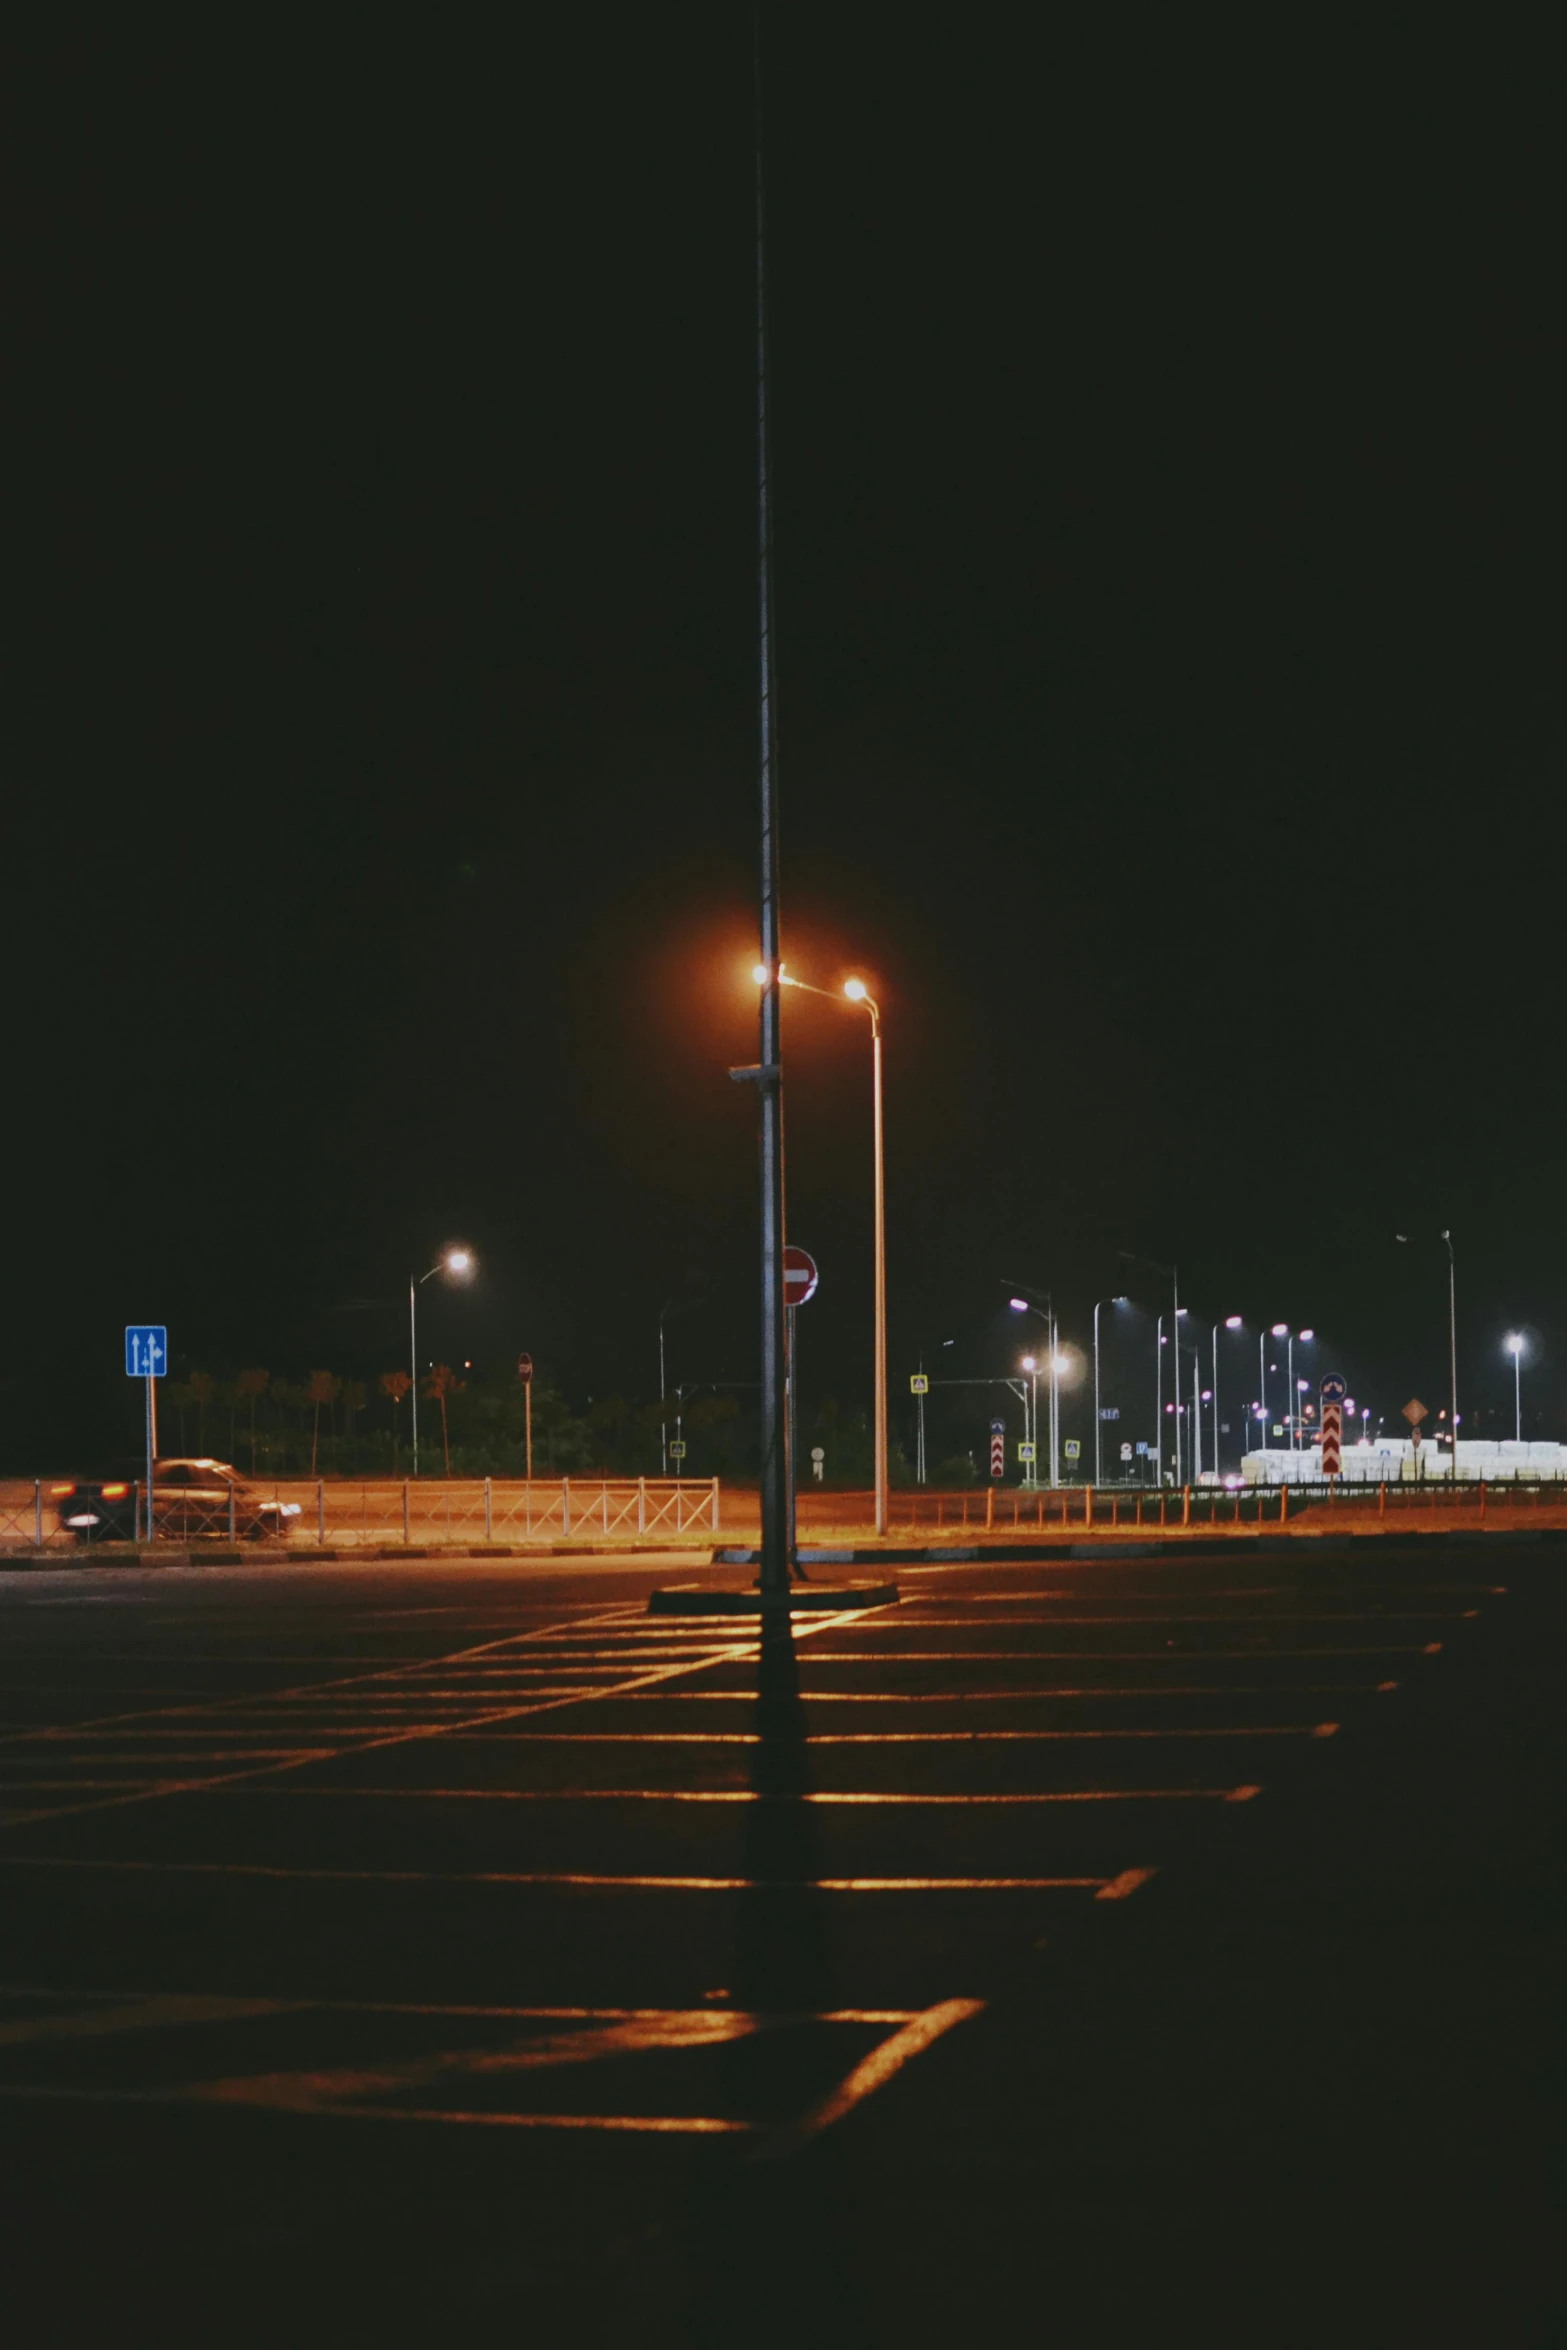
(902, 1737)
(275, 1873)
(1058, 1623)
(1014, 1696)
(720, 1795)
(391, 1670)
(871, 2074)
(663, 2125)
(139, 2013)
(407, 1735)
(1121, 1888)
(438, 2008)
(1110, 1656)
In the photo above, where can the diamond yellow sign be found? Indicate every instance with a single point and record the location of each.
(1414, 1411)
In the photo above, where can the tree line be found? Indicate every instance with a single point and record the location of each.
(471, 1424)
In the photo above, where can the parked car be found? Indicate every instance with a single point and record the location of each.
(190, 1498)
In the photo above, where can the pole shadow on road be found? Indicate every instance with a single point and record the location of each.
(783, 1964)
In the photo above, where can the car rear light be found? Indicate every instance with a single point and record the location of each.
(57, 1490)
(113, 1492)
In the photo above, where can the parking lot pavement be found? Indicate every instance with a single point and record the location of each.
(988, 1948)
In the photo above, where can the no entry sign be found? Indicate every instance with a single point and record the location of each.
(800, 1277)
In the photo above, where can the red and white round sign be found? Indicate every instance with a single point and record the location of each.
(800, 1276)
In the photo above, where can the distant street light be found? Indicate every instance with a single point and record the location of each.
(1515, 1349)
(1098, 1463)
(458, 1265)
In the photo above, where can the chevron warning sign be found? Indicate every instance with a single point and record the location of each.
(1332, 1431)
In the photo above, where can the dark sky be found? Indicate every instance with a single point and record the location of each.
(1169, 526)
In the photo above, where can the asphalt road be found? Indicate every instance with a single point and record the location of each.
(1085, 1952)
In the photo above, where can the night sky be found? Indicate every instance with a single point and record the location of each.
(1169, 525)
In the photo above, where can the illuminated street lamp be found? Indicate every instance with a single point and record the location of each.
(856, 991)
(458, 1265)
(1515, 1349)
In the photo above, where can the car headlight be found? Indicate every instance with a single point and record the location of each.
(288, 1509)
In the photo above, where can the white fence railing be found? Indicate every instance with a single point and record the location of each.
(358, 1513)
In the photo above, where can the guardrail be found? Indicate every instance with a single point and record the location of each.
(355, 1513)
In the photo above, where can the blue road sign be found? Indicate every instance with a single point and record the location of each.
(146, 1350)
(998, 1427)
(1142, 1448)
(1334, 1389)
(1111, 1411)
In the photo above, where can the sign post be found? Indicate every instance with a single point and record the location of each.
(525, 1374)
(147, 1357)
(919, 1388)
(800, 1285)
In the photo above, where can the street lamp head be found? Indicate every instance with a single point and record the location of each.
(759, 974)
(1061, 1363)
(458, 1261)
(1514, 1343)
(1281, 1330)
(1019, 1305)
(1120, 1301)
(855, 990)
(1030, 1363)
(1232, 1322)
(1305, 1334)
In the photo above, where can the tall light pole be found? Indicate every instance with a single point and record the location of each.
(1057, 1364)
(457, 1265)
(1515, 1349)
(767, 1076)
(1158, 1399)
(1278, 1330)
(1098, 1462)
(1452, 1337)
(1231, 1322)
(856, 991)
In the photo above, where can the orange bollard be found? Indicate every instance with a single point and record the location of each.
(1186, 1505)
(1088, 1505)
(1161, 1505)
(990, 1507)
(1382, 1501)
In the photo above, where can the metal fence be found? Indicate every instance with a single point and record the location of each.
(358, 1513)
